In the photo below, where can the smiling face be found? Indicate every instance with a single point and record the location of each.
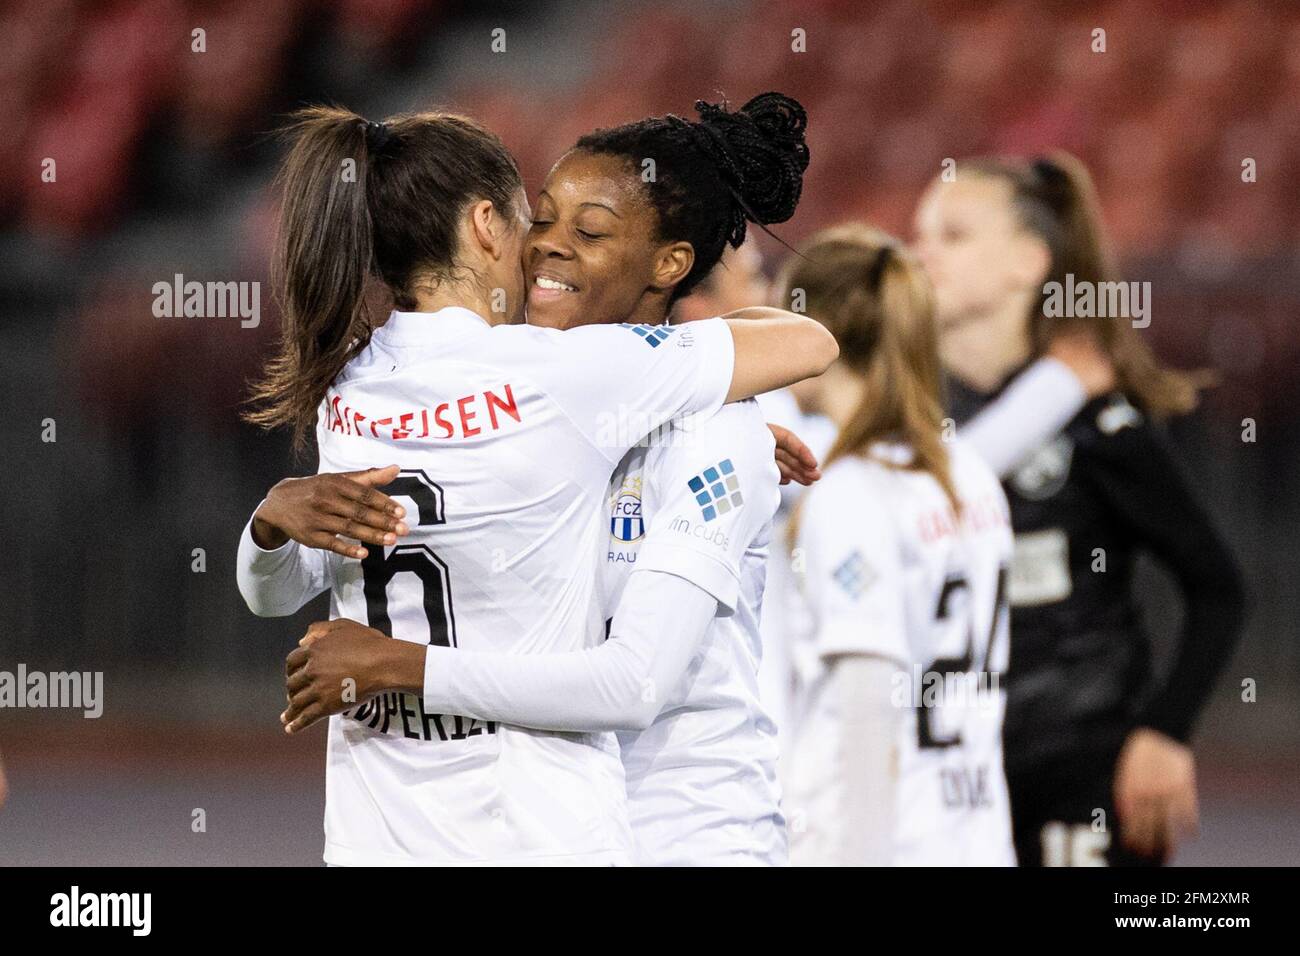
(593, 254)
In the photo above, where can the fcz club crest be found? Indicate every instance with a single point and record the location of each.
(625, 521)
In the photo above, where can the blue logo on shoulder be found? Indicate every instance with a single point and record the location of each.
(854, 575)
(717, 489)
(651, 334)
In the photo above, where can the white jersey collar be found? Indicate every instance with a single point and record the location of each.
(420, 328)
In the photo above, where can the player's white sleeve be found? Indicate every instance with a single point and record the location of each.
(865, 758)
(277, 583)
(1039, 403)
(714, 486)
(853, 570)
(618, 383)
(621, 685)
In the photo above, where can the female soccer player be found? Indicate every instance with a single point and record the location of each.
(904, 544)
(690, 514)
(502, 435)
(1095, 746)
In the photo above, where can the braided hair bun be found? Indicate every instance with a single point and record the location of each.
(761, 153)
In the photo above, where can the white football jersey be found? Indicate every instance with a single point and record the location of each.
(890, 571)
(506, 437)
(698, 502)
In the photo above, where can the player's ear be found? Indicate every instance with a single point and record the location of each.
(673, 263)
(487, 228)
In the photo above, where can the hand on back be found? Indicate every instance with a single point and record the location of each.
(320, 511)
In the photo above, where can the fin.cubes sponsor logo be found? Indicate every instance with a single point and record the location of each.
(717, 489)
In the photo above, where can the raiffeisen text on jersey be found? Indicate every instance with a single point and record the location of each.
(459, 418)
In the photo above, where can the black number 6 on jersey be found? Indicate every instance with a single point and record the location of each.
(378, 569)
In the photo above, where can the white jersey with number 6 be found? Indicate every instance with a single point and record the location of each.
(506, 437)
(891, 571)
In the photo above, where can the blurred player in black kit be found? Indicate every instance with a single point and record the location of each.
(1096, 749)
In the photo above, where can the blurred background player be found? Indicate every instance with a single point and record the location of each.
(1096, 748)
(906, 542)
(1045, 396)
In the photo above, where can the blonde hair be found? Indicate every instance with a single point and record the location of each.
(1055, 199)
(875, 299)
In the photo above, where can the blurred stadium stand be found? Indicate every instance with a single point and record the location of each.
(164, 161)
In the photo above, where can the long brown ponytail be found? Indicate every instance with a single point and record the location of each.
(874, 298)
(364, 200)
(1055, 199)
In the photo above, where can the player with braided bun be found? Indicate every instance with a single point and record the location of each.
(760, 153)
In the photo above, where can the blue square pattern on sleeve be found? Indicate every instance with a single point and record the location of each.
(652, 335)
(854, 575)
(717, 489)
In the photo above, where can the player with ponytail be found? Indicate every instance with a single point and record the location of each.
(1089, 725)
(379, 203)
(902, 546)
